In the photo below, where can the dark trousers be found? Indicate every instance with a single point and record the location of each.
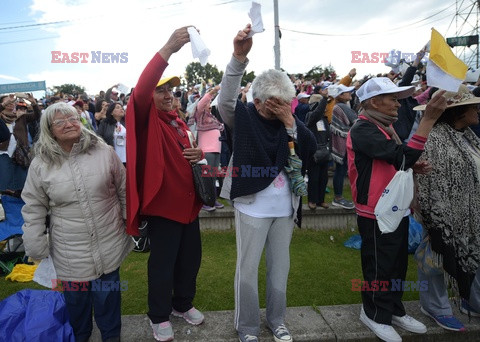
(105, 300)
(339, 177)
(175, 255)
(384, 258)
(317, 181)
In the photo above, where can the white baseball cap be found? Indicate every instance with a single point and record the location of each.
(302, 96)
(380, 86)
(338, 89)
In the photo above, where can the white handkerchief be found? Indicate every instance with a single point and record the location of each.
(255, 15)
(199, 50)
(45, 273)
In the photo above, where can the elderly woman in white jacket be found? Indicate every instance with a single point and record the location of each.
(79, 181)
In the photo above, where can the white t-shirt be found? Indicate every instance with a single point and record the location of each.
(273, 201)
(120, 141)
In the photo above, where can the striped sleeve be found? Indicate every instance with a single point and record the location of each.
(417, 142)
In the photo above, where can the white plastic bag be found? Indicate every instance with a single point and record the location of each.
(395, 201)
(45, 273)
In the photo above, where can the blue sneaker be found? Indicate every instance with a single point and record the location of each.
(445, 321)
(467, 309)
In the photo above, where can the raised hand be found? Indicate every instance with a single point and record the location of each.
(31, 99)
(436, 106)
(242, 44)
(176, 41)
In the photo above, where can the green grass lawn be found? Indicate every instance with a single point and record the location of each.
(320, 273)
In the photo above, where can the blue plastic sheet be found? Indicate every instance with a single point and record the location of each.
(414, 237)
(35, 315)
(354, 242)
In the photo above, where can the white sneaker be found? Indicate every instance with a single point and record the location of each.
(162, 331)
(409, 323)
(192, 316)
(383, 331)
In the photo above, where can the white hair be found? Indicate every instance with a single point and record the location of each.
(273, 83)
(47, 148)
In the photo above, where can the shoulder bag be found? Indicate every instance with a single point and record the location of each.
(202, 180)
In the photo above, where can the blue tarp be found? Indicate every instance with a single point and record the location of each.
(13, 222)
(35, 315)
(414, 237)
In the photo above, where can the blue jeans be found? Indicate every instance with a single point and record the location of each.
(82, 297)
(339, 177)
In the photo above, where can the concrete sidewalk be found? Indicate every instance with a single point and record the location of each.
(326, 323)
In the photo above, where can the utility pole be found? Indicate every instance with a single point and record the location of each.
(276, 47)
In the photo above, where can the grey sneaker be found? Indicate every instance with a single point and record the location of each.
(162, 331)
(342, 202)
(247, 338)
(281, 334)
(192, 316)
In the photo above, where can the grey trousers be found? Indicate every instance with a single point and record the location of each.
(435, 299)
(252, 235)
(474, 299)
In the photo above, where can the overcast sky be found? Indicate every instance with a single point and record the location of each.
(327, 32)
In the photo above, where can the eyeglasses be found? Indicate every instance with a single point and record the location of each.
(62, 122)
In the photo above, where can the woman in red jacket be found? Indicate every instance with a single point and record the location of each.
(160, 191)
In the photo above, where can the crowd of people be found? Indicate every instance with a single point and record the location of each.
(94, 170)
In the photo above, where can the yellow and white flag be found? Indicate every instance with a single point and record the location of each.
(444, 70)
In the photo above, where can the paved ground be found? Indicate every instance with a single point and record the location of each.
(325, 323)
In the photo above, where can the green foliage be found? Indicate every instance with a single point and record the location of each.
(68, 88)
(195, 73)
(248, 77)
(319, 73)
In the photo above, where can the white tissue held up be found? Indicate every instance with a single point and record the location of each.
(199, 50)
(255, 15)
